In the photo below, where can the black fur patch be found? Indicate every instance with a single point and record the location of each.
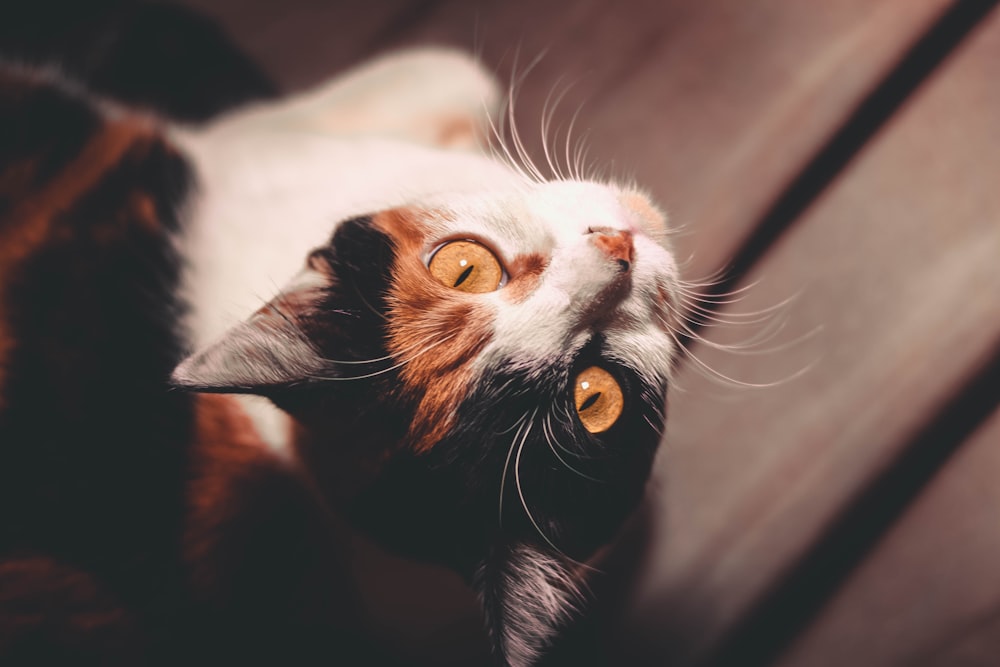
(579, 487)
(151, 54)
(91, 440)
(31, 153)
(348, 323)
(364, 416)
(97, 452)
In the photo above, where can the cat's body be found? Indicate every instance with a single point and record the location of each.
(138, 525)
(158, 522)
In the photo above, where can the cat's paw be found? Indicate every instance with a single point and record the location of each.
(435, 96)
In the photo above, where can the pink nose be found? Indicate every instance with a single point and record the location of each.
(615, 243)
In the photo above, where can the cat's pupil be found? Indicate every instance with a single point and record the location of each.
(465, 274)
(590, 401)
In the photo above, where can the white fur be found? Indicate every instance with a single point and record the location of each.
(538, 594)
(276, 178)
(554, 218)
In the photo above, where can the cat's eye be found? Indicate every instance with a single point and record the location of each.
(467, 266)
(598, 398)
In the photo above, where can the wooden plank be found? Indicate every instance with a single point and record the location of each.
(300, 43)
(897, 263)
(930, 594)
(714, 106)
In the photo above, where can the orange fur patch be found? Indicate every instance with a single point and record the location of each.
(226, 447)
(42, 597)
(525, 273)
(316, 262)
(458, 131)
(647, 212)
(436, 332)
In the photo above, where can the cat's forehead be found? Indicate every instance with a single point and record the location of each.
(540, 217)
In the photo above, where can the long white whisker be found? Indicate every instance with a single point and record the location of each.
(697, 312)
(350, 378)
(749, 346)
(505, 155)
(687, 288)
(712, 374)
(548, 113)
(527, 163)
(518, 143)
(524, 505)
(657, 430)
(396, 366)
(550, 438)
(575, 172)
(506, 464)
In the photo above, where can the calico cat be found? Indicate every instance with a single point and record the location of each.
(465, 360)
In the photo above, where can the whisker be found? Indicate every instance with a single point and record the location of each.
(505, 156)
(527, 167)
(710, 299)
(697, 312)
(518, 143)
(396, 366)
(548, 114)
(506, 465)
(524, 505)
(749, 346)
(367, 305)
(550, 437)
(657, 430)
(576, 172)
(324, 378)
(715, 375)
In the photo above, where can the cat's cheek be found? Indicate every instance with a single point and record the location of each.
(437, 348)
(434, 334)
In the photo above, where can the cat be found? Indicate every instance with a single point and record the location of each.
(465, 359)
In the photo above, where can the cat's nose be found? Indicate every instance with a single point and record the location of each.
(616, 244)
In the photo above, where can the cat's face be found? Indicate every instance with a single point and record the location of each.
(496, 366)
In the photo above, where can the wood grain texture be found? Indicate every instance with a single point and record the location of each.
(895, 271)
(714, 106)
(933, 582)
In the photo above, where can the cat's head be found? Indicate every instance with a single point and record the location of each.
(478, 380)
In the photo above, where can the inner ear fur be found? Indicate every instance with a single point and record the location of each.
(331, 310)
(269, 350)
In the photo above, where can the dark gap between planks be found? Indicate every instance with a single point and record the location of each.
(771, 625)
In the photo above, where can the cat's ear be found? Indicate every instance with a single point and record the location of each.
(269, 350)
(528, 594)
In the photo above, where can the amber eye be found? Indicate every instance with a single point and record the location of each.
(599, 400)
(467, 266)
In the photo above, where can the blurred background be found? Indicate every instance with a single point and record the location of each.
(829, 488)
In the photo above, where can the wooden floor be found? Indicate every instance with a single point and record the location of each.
(832, 495)
(842, 161)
